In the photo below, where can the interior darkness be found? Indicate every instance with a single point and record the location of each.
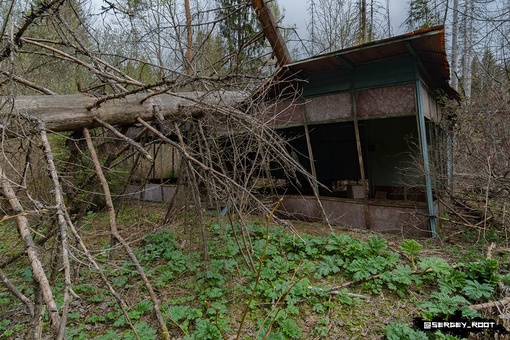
(334, 152)
(389, 148)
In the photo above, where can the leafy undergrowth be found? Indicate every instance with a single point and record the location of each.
(334, 285)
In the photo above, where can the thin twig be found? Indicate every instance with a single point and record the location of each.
(125, 138)
(115, 234)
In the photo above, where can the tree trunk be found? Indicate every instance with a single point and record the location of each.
(76, 111)
(455, 45)
(38, 271)
(189, 31)
(271, 32)
(468, 49)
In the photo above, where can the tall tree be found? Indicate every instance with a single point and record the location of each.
(333, 25)
(455, 45)
(420, 14)
(241, 33)
(468, 39)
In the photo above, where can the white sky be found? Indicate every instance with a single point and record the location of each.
(296, 13)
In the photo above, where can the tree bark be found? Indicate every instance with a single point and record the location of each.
(271, 32)
(76, 111)
(38, 271)
(455, 45)
(189, 31)
(115, 233)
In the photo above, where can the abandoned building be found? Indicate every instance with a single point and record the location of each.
(366, 123)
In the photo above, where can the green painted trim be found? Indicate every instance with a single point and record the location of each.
(381, 74)
(422, 131)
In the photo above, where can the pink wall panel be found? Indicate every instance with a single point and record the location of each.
(386, 101)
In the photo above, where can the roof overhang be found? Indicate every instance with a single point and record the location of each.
(426, 45)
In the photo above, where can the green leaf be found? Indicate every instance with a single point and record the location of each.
(178, 313)
(359, 270)
(144, 306)
(4, 324)
(337, 242)
(73, 316)
(468, 312)
(301, 289)
(438, 265)
(399, 331)
(291, 309)
(205, 330)
(290, 328)
(376, 244)
(121, 321)
(109, 335)
(344, 298)
(411, 247)
(443, 304)
(331, 265)
(484, 270)
(452, 281)
(144, 332)
(476, 290)
(402, 274)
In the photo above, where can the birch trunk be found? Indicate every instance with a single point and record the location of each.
(455, 45)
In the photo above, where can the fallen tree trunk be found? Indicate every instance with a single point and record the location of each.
(76, 111)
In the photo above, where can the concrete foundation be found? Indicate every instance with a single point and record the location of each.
(406, 218)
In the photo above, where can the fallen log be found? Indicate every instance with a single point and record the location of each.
(76, 111)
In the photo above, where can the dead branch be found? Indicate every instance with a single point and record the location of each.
(15, 291)
(28, 83)
(121, 303)
(60, 207)
(36, 13)
(125, 138)
(491, 304)
(31, 250)
(115, 234)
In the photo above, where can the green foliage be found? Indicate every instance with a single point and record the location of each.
(435, 264)
(329, 266)
(4, 323)
(442, 304)
(77, 333)
(238, 29)
(452, 281)
(296, 279)
(475, 290)
(4, 298)
(140, 309)
(412, 248)
(421, 14)
(399, 331)
(205, 330)
(400, 278)
(97, 298)
(143, 330)
(109, 335)
(290, 328)
(484, 270)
